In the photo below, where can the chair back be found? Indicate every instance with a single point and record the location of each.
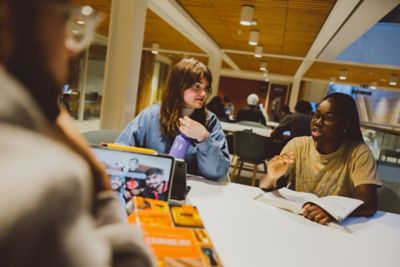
(101, 136)
(252, 147)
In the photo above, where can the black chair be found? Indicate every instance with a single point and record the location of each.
(254, 149)
(101, 136)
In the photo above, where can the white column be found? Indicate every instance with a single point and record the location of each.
(214, 64)
(122, 70)
(82, 84)
(294, 94)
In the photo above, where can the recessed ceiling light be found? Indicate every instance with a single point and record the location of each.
(246, 15)
(258, 51)
(253, 37)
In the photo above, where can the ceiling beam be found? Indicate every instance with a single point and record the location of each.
(255, 75)
(241, 52)
(368, 13)
(171, 12)
(178, 52)
(335, 20)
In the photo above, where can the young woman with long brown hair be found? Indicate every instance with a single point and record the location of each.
(182, 110)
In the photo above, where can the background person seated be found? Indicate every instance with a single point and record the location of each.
(251, 112)
(298, 123)
(217, 107)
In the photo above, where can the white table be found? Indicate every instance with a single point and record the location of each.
(246, 232)
(233, 127)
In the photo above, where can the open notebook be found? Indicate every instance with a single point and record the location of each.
(137, 174)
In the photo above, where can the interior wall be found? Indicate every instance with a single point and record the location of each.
(313, 91)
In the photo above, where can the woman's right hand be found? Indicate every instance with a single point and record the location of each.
(279, 165)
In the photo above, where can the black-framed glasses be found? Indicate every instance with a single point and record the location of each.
(327, 118)
(198, 87)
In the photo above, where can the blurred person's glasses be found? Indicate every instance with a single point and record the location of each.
(327, 118)
(81, 23)
(198, 87)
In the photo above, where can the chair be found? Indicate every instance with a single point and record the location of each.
(252, 148)
(389, 197)
(101, 136)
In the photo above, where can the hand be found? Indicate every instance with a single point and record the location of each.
(193, 129)
(315, 213)
(279, 165)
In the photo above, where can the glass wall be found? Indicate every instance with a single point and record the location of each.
(82, 94)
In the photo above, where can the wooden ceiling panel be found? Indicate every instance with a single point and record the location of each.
(275, 65)
(277, 21)
(158, 31)
(355, 74)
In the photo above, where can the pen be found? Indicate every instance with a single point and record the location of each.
(129, 148)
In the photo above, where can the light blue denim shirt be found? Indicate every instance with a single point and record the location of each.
(209, 158)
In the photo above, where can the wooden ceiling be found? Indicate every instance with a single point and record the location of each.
(355, 74)
(287, 28)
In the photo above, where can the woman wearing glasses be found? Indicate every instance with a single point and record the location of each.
(182, 110)
(68, 214)
(333, 161)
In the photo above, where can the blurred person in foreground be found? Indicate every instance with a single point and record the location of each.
(333, 161)
(68, 215)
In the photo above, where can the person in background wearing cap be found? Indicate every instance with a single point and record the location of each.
(68, 215)
(251, 112)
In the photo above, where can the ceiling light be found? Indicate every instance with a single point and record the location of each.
(86, 10)
(253, 37)
(80, 22)
(154, 48)
(373, 85)
(393, 80)
(343, 75)
(246, 16)
(263, 66)
(258, 51)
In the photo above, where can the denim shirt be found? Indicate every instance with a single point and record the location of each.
(209, 158)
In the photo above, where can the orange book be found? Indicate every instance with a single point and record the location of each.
(175, 233)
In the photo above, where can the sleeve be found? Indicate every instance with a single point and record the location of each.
(126, 242)
(291, 146)
(363, 167)
(284, 125)
(212, 154)
(134, 133)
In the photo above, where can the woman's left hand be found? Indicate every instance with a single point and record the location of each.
(193, 129)
(315, 213)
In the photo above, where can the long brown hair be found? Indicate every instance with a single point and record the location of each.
(183, 75)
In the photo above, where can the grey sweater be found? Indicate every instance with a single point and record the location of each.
(47, 198)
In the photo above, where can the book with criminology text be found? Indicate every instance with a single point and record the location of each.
(337, 206)
(175, 233)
